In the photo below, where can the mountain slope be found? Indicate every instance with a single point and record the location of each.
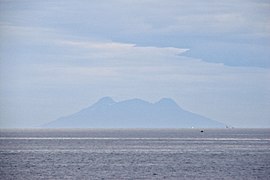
(134, 113)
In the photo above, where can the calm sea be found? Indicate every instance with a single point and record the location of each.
(135, 154)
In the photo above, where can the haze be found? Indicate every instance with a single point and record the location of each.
(58, 57)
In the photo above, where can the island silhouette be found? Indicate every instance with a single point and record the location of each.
(134, 113)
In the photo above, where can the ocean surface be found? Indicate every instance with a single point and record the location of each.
(134, 154)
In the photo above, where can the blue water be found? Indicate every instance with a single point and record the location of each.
(135, 154)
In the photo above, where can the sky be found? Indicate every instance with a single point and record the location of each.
(212, 57)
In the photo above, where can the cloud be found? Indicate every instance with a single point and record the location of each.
(239, 27)
(124, 70)
(121, 50)
(57, 57)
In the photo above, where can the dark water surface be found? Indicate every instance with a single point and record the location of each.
(135, 154)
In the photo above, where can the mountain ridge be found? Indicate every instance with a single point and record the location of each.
(134, 113)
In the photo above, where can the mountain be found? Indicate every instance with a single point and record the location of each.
(134, 113)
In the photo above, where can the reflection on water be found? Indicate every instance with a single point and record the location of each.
(135, 154)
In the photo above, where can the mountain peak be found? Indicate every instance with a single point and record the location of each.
(167, 102)
(134, 113)
(106, 101)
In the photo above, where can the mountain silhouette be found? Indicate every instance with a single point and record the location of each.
(134, 113)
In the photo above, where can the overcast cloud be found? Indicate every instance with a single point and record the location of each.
(212, 57)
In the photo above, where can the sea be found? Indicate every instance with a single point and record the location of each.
(31, 154)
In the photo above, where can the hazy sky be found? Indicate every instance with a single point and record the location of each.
(212, 57)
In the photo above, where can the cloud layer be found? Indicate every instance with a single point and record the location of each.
(211, 57)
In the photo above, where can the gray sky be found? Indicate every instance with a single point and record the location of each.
(212, 57)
